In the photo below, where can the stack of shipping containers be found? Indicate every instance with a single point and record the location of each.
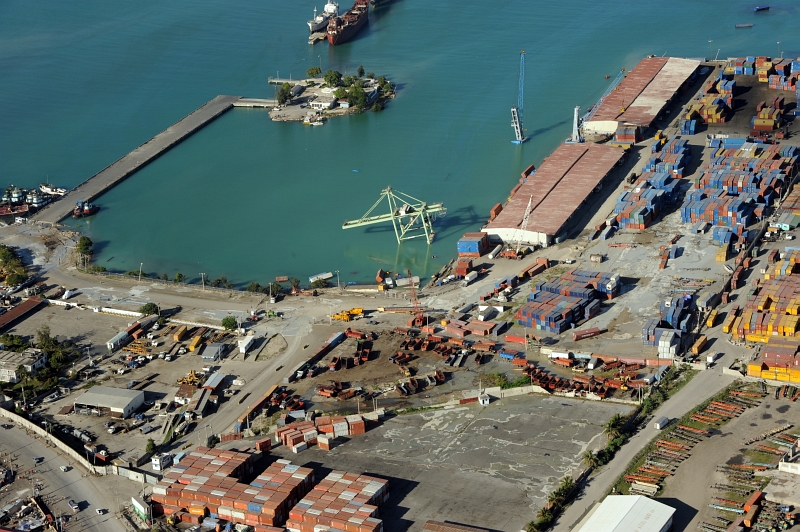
(341, 501)
(207, 484)
(555, 305)
(656, 187)
(473, 245)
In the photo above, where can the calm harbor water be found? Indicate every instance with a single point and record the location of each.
(251, 199)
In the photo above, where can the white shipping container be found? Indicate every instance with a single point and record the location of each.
(559, 354)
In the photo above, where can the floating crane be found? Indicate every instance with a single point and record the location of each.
(410, 217)
(517, 111)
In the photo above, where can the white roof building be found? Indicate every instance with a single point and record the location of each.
(629, 513)
(116, 401)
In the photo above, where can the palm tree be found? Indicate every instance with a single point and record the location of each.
(590, 458)
(544, 514)
(613, 426)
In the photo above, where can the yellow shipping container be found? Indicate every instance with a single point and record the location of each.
(763, 338)
(728, 324)
(794, 379)
(783, 377)
(195, 342)
(754, 370)
(794, 373)
(746, 318)
(179, 333)
(771, 323)
(711, 318)
(699, 344)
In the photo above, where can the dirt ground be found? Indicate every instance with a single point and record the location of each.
(690, 491)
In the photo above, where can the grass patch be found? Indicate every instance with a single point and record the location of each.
(501, 381)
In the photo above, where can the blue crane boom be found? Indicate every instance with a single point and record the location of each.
(613, 85)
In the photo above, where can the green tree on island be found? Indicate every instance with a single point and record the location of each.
(360, 71)
(179, 278)
(357, 98)
(333, 78)
(148, 309)
(150, 448)
(314, 72)
(284, 94)
(229, 322)
(319, 283)
(348, 81)
(340, 93)
(84, 246)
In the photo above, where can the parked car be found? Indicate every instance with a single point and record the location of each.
(64, 468)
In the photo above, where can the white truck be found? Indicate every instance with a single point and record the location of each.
(661, 423)
(471, 276)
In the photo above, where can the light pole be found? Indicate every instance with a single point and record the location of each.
(710, 51)
(203, 280)
(140, 271)
(779, 49)
(338, 284)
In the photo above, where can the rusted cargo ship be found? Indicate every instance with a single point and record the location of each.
(342, 28)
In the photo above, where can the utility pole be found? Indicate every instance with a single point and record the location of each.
(338, 284)
(140, 271)
(203, 280)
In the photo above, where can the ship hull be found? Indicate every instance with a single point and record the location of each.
(318, 26)
(348, 32)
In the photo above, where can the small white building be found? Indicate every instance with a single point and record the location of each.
(623, 513)
(31, 360)
(323, 103)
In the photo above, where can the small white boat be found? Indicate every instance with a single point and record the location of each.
(320, 276)
(317, 123)
(47, 188)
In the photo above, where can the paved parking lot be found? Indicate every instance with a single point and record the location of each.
(485, 466)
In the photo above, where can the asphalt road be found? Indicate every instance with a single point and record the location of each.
(59, 487)
(703, 386)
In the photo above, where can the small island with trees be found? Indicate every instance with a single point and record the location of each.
(321, 96)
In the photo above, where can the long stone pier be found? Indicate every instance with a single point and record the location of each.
(120, 169)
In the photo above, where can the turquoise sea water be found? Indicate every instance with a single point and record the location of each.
(81, 84)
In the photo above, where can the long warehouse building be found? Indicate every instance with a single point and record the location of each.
(563, 183)
(643, 94)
